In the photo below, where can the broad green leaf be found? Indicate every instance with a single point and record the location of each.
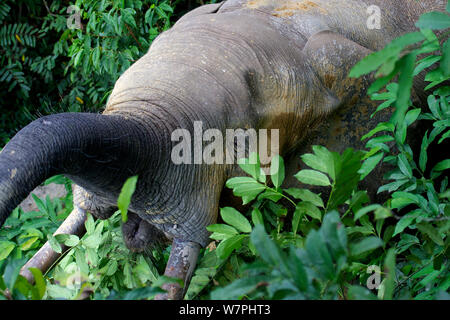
(257, 217)
(226, 247)
(445, 63)
(370, 164)
(268, 250)
(305, 195)
(297, 270)
(389, 282)
(363, 211)
(360, 293)
(313, 177)
(426, 63)
(271, 195)
(423, 153)
(92, 241)
(277, 171)
(28, 244)
(383, 126)
(67, 239)
(125, 196)
(412, 115)
(443, 165)
(251, 165)
(11, 272)
(89, 224)
(404, 165)
(365, 245)
(298, 215)
(373, 61)
(245, 187)
(405, 84)
(5, 249)
(335, 236)
(434, 20)
(235, 219)
(309, 209)
(318, 253)
(54, 244)
(221, 231)
(40, 283)
(238, 288)
(403, 224)
(432, 232)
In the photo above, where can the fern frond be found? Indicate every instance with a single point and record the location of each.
(21, 33)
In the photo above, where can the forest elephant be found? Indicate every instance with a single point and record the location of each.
(260, 64)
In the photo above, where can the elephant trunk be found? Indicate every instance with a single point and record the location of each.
(97, 151)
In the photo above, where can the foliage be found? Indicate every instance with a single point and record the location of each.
(293, 243)
(407, 235)
(45, 67)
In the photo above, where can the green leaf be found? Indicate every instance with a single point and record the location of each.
(40, 283)
(423, 157)
(432, 232)
(221, 231)
(245, 187)
(405, 84)
(5, 249)
(363, 211)
(125, 196)
(360, 293)
(443, 165)
(306, 195)
(271, 195)
(67, 239)
(54, 244)
(370, 164)
(235, 219)
(403, 223)
(93, 241)
(251, 165)
(12, 271)
(277, 171)
(365, 245)
(309, 209)
(296, 270)
(389, 282)
(445, 63)
(313, 177)
(383, 126)
(268, 250)
(227, 246)
(434, 20)
(318, 253)
(238, 288)
(404, 166)
(257, 217)
(89, 224)
(28, 244)
(374, 60)
(426, 63)
(296, 218)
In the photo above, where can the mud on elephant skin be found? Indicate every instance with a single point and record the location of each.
(260, 64)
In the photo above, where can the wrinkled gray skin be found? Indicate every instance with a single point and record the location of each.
(261, 64)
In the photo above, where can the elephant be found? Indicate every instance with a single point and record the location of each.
(263, 64)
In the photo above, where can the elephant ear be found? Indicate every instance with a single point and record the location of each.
(332, 56)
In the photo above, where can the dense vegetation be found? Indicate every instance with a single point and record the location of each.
(293, 243)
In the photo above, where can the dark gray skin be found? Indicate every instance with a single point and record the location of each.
(259, 64)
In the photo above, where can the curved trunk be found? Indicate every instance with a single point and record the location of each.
(99, 152)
